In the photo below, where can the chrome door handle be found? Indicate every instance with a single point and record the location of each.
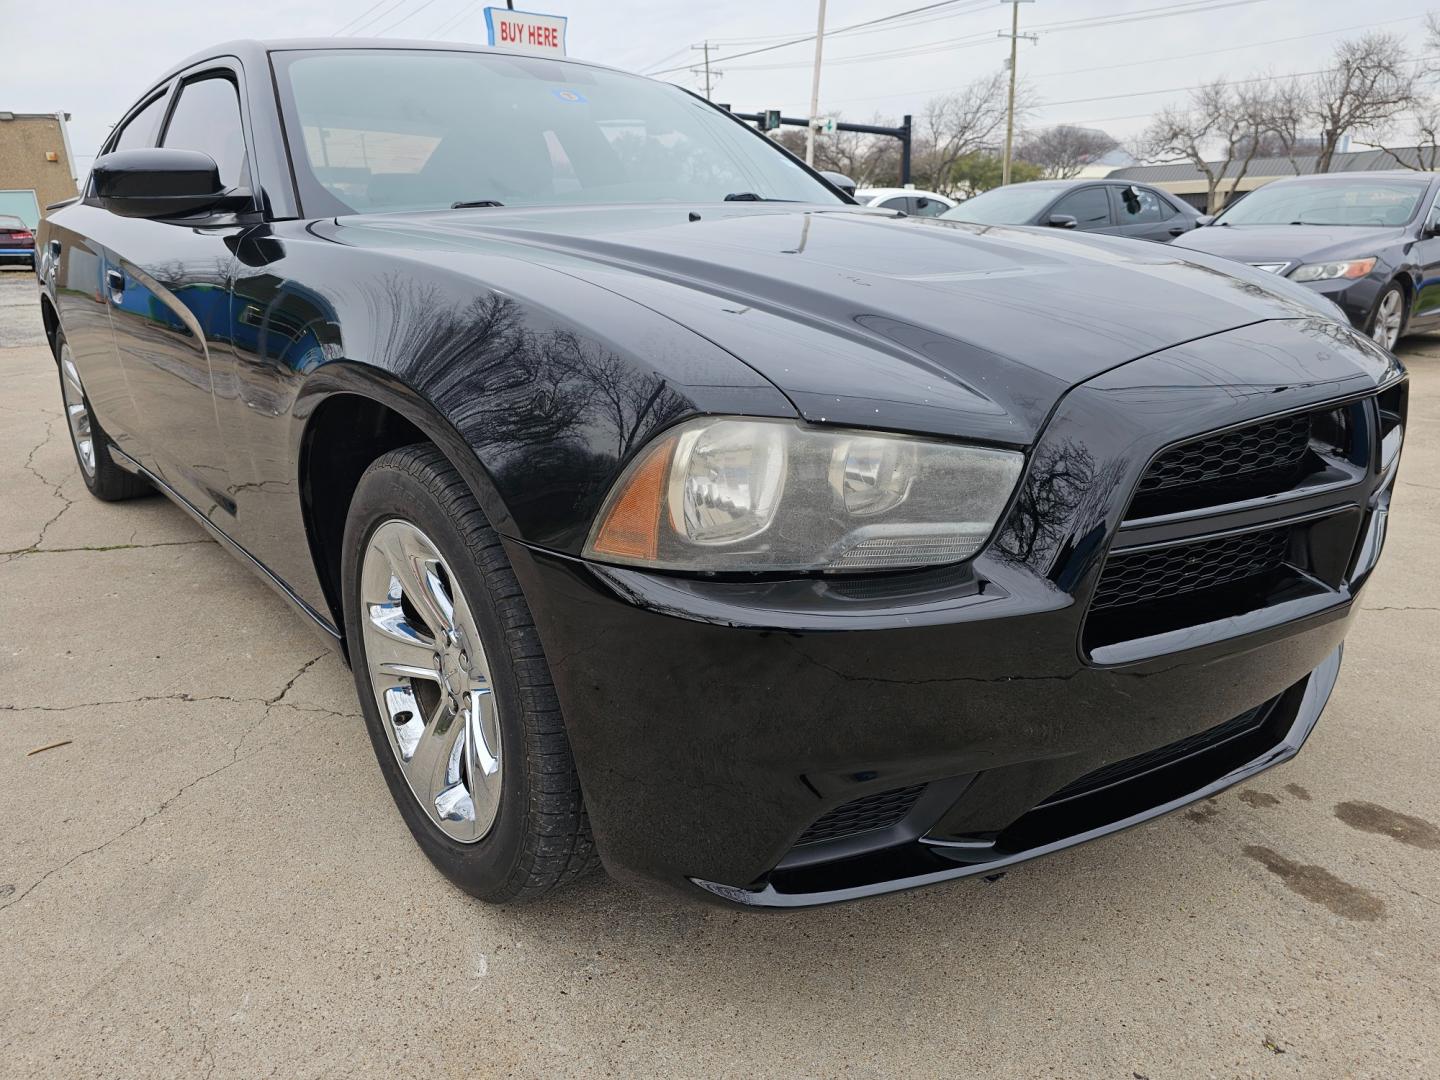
(115, 281)
(55, 248)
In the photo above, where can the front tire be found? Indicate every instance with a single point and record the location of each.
(454, 685)
(104, 479)
(1387, 322)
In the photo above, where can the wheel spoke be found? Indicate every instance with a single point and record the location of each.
(431, 678)
(482, 739)
(436, 770)
(414, 564)
(392, 654)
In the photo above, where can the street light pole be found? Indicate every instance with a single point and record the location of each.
(815, 88)
(1014, 37)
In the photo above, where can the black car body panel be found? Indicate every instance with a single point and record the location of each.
(716, 720)
(1408, 254)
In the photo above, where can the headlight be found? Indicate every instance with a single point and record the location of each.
(1355, 268)
(766, 495)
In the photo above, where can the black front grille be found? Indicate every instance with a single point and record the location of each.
(1136, 577)
(867, 814)
(1274, 446)
(1119, 771)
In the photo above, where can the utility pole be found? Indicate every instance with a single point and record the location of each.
(1014, 37)
(706, 47)
(815, 88)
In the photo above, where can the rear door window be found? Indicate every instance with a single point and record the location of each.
(1140, 206)
(1090, 207)
(207, 118)
(928, 207)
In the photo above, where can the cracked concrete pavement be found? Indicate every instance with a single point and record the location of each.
(209, 877)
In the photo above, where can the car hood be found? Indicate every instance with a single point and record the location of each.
(867, 318)
(1289, 243)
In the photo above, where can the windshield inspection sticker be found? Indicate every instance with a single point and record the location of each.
(564, 93)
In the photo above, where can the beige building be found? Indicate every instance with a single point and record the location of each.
(36, 166)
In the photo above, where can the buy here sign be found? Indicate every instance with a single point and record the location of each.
(526, 31)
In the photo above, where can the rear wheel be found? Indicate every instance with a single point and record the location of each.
(1387, 324)
(105, 479)
(454, 685)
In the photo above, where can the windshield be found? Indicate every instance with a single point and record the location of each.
(379, 130)
(1360, 201)
(1003, 206)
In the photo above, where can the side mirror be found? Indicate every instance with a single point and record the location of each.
(1203, 220)
(841, 181)
(160, 182)
(1063, 221)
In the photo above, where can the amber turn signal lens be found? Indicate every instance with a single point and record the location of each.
(631, 528)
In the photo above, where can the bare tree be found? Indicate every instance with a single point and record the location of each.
(1370, 84)
(1062, 151)
(1222, 119)
(961, 123)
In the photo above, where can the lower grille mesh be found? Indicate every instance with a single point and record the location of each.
(867, 814)
(1141, 576)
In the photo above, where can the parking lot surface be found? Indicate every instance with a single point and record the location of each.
(209, 876)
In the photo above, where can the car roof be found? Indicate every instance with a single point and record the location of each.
(1369, 174)
(256, 52)
(12, 217)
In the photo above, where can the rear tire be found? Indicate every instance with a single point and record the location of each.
(104, 479)
(468, 733)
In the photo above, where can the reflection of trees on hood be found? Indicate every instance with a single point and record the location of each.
(510, 388)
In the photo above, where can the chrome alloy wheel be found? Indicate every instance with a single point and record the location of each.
(77, 412)
(1389, 318)
(431, 680)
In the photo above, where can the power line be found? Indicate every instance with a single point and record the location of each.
(373, 20)
(1197, 86)
(1137, 63)
(357, 18)
(404, 19)
(446, 25)
(844, 29)
(1189, 8)
(1228, 49)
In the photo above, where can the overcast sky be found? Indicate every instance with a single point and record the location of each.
(96, 57)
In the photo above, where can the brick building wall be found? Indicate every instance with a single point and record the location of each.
(25, 141)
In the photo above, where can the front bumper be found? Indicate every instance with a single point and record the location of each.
(1357, 298)
(715, 722)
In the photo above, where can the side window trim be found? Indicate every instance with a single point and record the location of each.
(1434, 212)
(133, 113)
(227, 68)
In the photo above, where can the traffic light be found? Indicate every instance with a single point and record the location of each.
(771, 120)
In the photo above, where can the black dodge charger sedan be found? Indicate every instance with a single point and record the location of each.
(1370, 242)
(675, 513)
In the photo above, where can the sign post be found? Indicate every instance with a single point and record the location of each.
(526, 31)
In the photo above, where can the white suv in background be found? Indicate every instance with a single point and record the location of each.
(921, 203)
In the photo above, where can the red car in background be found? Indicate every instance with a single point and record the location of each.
(17, 241)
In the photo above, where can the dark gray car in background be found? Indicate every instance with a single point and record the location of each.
(1115, 207)
(1368, 241)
